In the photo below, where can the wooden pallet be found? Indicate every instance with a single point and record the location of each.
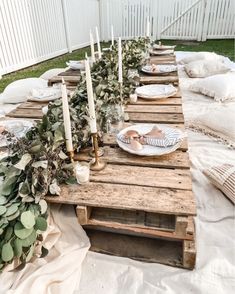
(32, 110)
(140, 207)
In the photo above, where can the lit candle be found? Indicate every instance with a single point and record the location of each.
(91, 104)
(120, 79)
(112, 36)
(98, 42)
(148, 29)
(92, 47)
(66, 116)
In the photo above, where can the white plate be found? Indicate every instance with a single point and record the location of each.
(156, 91)
(147, 149)
(76, 65)
(163, 47)
(17, 127)
(160, 52)
(160, 69)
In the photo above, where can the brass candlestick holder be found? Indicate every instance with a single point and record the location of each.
(98, 164)
(100, 151)
(71, 155)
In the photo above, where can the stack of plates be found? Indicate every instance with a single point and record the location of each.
(149, 150)
(160, 69)
(156, 91)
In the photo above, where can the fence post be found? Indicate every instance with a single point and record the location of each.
(66, 25)
(205, 21)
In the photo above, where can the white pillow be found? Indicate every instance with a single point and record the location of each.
(217, 122)
(205, 68)
(201, 56)
(220, 87)
(18, 91)
(52, 73)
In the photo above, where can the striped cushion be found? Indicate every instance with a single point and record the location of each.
(223, 177)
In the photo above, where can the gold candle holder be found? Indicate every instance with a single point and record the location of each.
(71, 155)
(100, 151)
(98, 164)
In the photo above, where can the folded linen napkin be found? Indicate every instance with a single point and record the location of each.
(170, 138)
(48, 93)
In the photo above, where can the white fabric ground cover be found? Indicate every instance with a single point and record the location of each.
(67, 270)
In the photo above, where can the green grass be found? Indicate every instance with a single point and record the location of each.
(223, 47)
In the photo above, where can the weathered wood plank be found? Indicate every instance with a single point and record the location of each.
(147, 79)
(167, 101)
(83, 214)
(26, 113)
(138, 248)
(135, 230)
(160, 200)
(189, 254)
(153, 109)
(181, 225)
(156, 118)
(32, 105)
(144, 176)
(177, 159)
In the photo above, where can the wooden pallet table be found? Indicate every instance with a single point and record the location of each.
(71, 78)
(140, 207)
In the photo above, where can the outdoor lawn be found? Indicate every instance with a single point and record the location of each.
(223, 47)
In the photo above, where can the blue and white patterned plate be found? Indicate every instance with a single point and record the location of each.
(157, 147)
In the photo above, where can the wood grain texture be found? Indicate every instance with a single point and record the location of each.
(32, 105)
(147, 79)
(151, 199)
(156, 118)
(189, 254)
(167, 101)
(26, 113)
(144, 176)
(154, 109)
(138, 248)
(177, 159)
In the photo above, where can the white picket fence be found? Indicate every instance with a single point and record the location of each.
(32, 31)
(170, 19)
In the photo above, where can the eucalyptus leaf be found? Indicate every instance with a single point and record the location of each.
(43, 206)
(8, 234)
(7, 252)
(26, 158)
(11, 209)
(3, 200)
(27, 219)
(30, 253)
(29, 240)
(41, 224)
(2, 210)
(21, 232)
(17, 245)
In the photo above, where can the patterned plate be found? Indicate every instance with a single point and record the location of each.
(147, 149)
(156, 91)
(160, 69)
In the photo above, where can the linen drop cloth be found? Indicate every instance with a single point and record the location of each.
(71, 269)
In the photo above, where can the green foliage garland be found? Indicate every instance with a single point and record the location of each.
(37, 164)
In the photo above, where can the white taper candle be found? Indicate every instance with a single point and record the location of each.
(148, 29)
(66, 116)
(112, 36)
(90, 97)
(120, 78)
(92, 47)
(98, 42)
